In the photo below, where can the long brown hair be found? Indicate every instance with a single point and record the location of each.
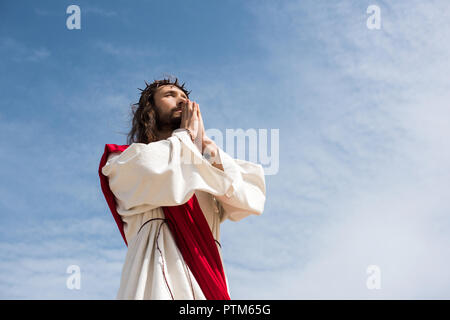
(143, 125)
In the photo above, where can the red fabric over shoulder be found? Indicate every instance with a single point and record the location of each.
(109, 196)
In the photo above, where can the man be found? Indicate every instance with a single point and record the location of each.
(168, 209)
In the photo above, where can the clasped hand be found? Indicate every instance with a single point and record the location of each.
(192, 120)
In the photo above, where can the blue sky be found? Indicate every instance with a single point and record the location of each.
(362, 115)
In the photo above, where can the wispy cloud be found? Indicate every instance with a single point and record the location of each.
(100, 11)
(364, 163)
(19, 52)
(371, 156)
(123, 51)
(35, 259)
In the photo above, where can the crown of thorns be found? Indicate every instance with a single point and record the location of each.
(150, 89)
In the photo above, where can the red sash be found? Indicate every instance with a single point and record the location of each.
(191, 232)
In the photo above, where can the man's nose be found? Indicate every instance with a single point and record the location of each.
(181, 102)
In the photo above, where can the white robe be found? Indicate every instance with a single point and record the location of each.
(145, 177)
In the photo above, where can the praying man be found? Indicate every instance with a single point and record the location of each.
(169, 189)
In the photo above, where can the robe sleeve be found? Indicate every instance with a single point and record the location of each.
(248, 194)
(162, 173)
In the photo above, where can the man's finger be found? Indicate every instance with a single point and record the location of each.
(199, 113)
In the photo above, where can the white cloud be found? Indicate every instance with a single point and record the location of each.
(373, 154)
(364, 170)
(128, 51)
(35, 259)
(100, 11)
(20, 52)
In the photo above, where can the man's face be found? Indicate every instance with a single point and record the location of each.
(168, 101)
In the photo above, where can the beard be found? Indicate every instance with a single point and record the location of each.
(170, 121)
